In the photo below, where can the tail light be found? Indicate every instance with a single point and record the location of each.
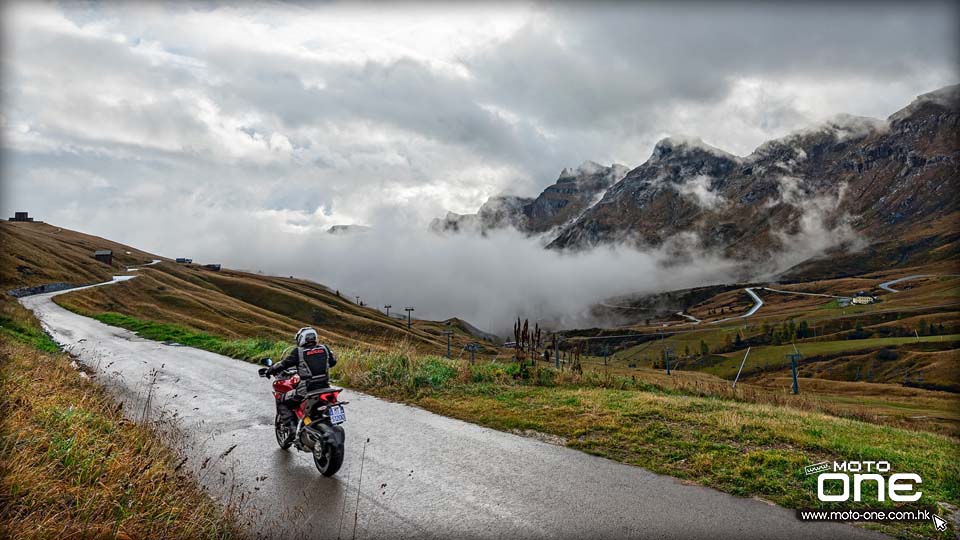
(330, 397)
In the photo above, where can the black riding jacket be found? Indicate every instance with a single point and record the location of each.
(313, 364)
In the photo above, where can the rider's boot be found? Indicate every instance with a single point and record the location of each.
(287, 416)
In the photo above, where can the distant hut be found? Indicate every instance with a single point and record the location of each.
(21, 216)
(863, 298)
(214, 267)
(104, 255)
(184, 260)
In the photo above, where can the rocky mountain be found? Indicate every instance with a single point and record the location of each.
(498, 212)
(574, 191)
(870, 192)
(850, 195)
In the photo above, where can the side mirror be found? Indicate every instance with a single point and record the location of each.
(267, 362)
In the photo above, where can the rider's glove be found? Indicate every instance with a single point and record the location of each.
(263, 372)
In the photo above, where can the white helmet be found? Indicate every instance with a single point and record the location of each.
(306, 334)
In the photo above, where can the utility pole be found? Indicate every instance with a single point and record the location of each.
(473, 347)
(667, 355)
(358, 300)
(448, 333)
(741, 368)
(556, 351)
(794, 359)
(409, 320)
(387, 307)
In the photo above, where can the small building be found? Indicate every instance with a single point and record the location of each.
(104, 255)
(21, 216)
(863, 298)
(214, 267)
(184, 260)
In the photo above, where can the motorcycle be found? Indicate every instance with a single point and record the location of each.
(319, 418)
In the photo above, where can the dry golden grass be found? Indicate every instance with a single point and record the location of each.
(74, 468)
(230, 304)
(877, 403)
(38, 253)
(749, 442)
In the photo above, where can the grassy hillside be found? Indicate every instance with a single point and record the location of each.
(773, 356)
(690, 424)
(646, 419)
(38, 253)
(73, 466)
(230, 304)
(895, 362)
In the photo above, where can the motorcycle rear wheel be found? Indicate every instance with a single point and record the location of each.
(328, 458)
(283, 432)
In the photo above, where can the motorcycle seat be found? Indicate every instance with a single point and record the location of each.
(318, 391)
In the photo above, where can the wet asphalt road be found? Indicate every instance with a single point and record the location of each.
(424, 475)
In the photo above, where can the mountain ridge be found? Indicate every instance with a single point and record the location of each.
(846, 186)
(575, 190)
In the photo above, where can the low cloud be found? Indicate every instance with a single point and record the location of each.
(698, 189)
(488, 281)
(818, 227)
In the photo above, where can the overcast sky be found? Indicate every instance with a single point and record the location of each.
(178, 127)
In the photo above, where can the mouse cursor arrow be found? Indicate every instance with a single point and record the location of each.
(939, 523)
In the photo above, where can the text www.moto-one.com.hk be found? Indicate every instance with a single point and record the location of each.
(866, 514)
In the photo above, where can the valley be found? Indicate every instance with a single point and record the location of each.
(888, 365)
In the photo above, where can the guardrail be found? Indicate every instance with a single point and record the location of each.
(40, 289)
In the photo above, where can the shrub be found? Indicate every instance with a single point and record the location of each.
(491, 373)
(887, 355)
(433, 372)
(513, 370)
(546, 376)
(388, 369)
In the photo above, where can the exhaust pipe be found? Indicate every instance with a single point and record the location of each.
(309, 439)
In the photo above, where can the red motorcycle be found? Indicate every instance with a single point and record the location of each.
(319, 416)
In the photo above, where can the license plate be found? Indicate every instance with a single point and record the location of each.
(337, 416)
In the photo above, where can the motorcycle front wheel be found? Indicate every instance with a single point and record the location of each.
(283, 432)
(328, 458)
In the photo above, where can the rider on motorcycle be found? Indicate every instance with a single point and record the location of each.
(313, 362)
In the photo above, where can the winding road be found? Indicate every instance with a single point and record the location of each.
(424, 475)
(757, 303)
(822, 295)
(693, 320)
(887, 284)
(139, 266)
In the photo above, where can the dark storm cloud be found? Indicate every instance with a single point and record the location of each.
(263, 124)
(405, 94)
(599, 63)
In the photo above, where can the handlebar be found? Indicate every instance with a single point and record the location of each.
(285, 374)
